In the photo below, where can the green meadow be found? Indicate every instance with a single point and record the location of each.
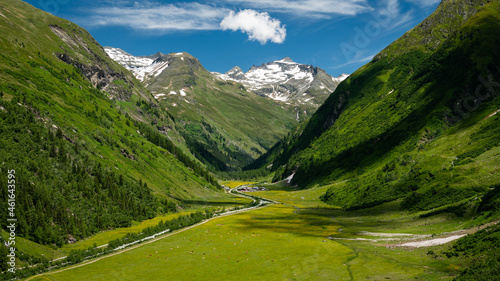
(33, 249)
(102, 238)
(286, 241)
(233, 184)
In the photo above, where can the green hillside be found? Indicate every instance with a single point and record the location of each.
(77, 128)
(224, 126)
(418, 122)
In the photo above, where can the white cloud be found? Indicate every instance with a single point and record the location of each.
(258, 26)
(391, 15)
(424, 3)
(355, 61)
(309, 8)
(175, 16)
(388, 19)
(161, 17)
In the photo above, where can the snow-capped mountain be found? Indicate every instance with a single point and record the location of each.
(127, 60)
(163, 74)
(286, 80)
(281, 80)
(142, 67)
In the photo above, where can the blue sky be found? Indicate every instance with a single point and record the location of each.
(337, 35)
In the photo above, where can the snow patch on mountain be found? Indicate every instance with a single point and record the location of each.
(142, 67)
(341, 78)
(153, 70)
(127, 60)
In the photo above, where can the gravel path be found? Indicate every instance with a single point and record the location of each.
(432, 242)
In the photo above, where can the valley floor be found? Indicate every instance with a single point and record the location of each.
(299, 239)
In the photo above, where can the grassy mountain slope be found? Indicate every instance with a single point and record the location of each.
(418, 122)
(224, 126)
(75, 127)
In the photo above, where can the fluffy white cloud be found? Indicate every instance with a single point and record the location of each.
(258, 26)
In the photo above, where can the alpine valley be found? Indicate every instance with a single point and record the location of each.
(118, 167)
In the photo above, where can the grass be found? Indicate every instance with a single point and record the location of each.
(300, 198)
(34, 249)
(281, 242)
(387, 217)
(104, 237)
(233, 184)
(248, 245)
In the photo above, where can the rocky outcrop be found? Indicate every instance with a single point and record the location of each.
(101, 73)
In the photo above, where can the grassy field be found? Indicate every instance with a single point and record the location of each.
(35, 249)
(104, 237)
(286, 241)
(233, 184)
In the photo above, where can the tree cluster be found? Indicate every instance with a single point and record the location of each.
(162, 141)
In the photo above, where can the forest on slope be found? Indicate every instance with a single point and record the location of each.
(77, 130)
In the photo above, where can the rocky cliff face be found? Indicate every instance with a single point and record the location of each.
(102, 73)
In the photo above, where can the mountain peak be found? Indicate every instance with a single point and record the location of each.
(147, 67)
(287, 81)
(235, 69)
(236, 73)
(285, 60)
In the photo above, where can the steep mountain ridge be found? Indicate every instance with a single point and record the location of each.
(435, 29)
(415, 123)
